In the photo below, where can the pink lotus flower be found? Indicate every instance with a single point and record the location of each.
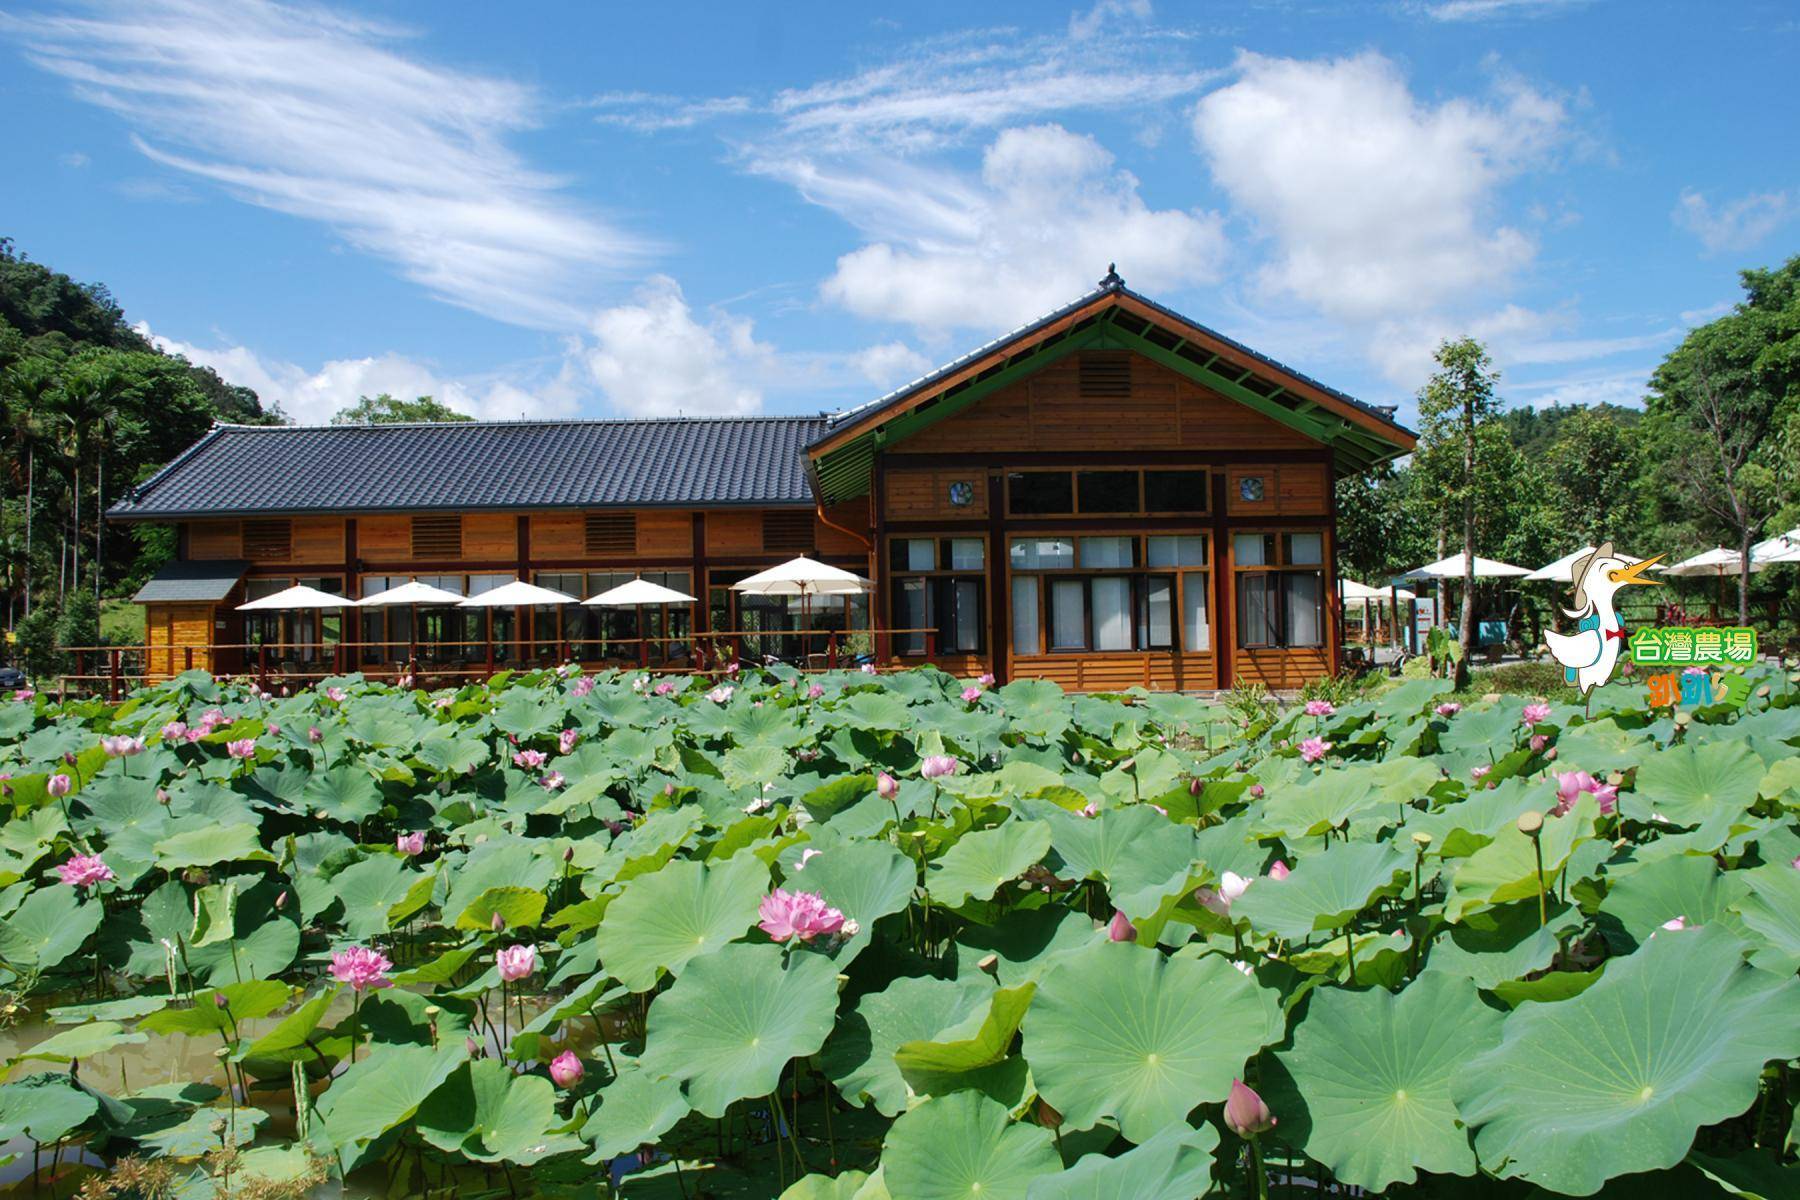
(814, 692)
(1535, 714)
(552, 781)
(314, 734)
(663, 688)
(274, 729)
(1480, 772)
(971, 694)
(411, 843)
(868, 668)
(1120, 928)
(936, 766)
(805, 915)
(174, 731)
(122, 746)
(1090, 809)
(1676, 924)
(1256, 790)
(1448, 708)
(806, 856)
(566, 1070)
(1538, 742)
(84, 870)
(530, 760)
(1313, 749)
(212, 718)
(1571, 784)
(335, 694)
(985, 679)
(362, 968)
(443, 702)
(582, 686)
(24, 695)
(516, 962)
(1245, 1113)
(59, 785)
(242, 748)
(1279, 870)
(720, 694)
(567, 739)
(1320, 708)
(1218, 900)
(198, 732)
(886, 786)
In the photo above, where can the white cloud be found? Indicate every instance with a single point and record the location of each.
(1490, 10)
(74, 160)
(890, 363)
(653, 358)
(1625, 388)
(1035, 229)
(1085, 25)
(311, 396)
(311, 112)
(1377, 204)
(1736, 224)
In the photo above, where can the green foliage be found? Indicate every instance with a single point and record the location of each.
(1449, 988)
(389, 410)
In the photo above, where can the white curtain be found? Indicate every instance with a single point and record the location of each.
(1305, 626)
(1025, 616)
(1157, 626)
(1112, 613)
(1068, 614)
(1196, 630)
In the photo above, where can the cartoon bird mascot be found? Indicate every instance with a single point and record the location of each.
(1590, 653)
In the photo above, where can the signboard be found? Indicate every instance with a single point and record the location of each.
(1424, 618)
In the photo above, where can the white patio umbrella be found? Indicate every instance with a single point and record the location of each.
(518, 594)
(1353, 592)
(1452, 569)
(1558, 571)
(297, 597)
(636, 594)
(804, 577)
(411, 592)
(1717, 561)
(1782, 548)
(639, 592)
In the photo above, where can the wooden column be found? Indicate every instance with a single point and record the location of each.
(999, 593)
(1224, 637)
(878, 603)
(1334, 632)
(523, 618)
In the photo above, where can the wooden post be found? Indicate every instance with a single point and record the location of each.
(262, 665)
(114, 694)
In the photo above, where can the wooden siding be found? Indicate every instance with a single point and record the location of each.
(916, 494)
(558, 535)
(318, 541)
(852, 515)
(1277, 669)
(1289, 490)
(665, 534)
(490, 537)
(214, 540)
(1046, 412)
(1117, 671)
(734, 531)
(170, 630)
(384, 539)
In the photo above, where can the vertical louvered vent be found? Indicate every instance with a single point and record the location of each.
(437, 537)
(268, 541)
(788, 532)
(1105, 376)
(611, 533)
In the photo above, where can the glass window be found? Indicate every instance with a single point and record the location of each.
(1108, 552)
(967, 554)
(1029, 492)
(912, 554)
(1175, 491)
(1108, 491)
(1305, 549)
(1043, 554)
(963, 628)
(1257, 610)
(1025, 616)
(1196, 630)
(1156, 613)
(1068, 614)
(912, 599)
(1304, 590)
(1253, 549)
(1184, 551)
(1112, 612)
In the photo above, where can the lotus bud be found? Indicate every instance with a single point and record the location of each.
(886, 786)
(1195, 787)
(1256, 790)
(1120, 928)
(498, 923)
(1048, 1117)
(668, 789)
(219, 1000)
(59, 785)
(281, 901)
(473, 1047)
(568, 854)
(69, 757)
(989, 964)
(1531, 821)
(566, 1070)
(1245, 1113)
(315, 735)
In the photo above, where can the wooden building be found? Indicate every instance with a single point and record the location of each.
(1112, 496)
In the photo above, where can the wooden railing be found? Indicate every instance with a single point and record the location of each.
(112, 671)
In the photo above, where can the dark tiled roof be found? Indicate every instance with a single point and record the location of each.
(209, 580)
(238, 470)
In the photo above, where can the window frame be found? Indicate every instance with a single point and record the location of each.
(939, 598)
(1076, 472)
(1279, 574)
(1138, 574)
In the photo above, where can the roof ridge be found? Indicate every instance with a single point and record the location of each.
(520, 422)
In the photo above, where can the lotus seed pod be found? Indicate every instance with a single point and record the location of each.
(1615, 778)
(1421, 839)
(222, 1052)
(432, 1011)
(1762, 693)
(1530, 822)
(1684, 719)
(990, 964)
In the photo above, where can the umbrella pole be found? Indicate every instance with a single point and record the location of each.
(643, 645)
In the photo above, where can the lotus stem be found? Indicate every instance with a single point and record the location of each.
(1256, 1168)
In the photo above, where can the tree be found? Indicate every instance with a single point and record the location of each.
(1460, 439)
(387, 410)
(1591, 469)
(1715, 401)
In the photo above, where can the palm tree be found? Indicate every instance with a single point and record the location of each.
(28, 390)
(87, 406)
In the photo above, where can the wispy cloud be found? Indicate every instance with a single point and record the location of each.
(321, 115)
(1495, 10)
(1735, 224)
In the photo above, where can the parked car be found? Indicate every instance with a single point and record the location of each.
(11, 678)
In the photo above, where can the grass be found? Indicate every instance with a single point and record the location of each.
(121, 623)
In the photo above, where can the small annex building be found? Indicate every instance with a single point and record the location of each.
(1111, 496)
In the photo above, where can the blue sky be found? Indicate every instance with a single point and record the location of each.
(559, 209)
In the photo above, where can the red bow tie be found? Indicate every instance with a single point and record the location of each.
(1616, 633)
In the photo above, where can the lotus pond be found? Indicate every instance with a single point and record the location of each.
(902, 936)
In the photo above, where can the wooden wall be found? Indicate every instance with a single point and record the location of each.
(169, 630)
(1046, 412)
